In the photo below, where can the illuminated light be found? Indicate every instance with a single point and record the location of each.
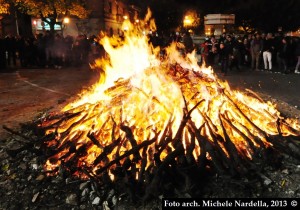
(34, 22)
(125, 17)
(66, 20)
(137, 21)
(188, 21)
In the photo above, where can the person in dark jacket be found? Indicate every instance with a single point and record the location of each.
(2, 54)
(297, 53)
(10, 48)
(256, 46)
(224, 54)
(188, 42)
(283, 55)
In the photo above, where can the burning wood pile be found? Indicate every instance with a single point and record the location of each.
(157, 125)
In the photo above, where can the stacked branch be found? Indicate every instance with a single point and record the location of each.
(168, 160)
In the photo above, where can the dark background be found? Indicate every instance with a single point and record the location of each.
(261, 15)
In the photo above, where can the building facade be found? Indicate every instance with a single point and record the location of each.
(106, 16)
(216, 24)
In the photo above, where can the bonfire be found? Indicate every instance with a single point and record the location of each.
(151, 120)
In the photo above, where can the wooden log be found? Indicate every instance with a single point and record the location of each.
(165, 134)
(190, 148)
(224, 159)
(232, 150)
(249, 142)
(106, 151)
(206, 147)
(186, 117)
(255, 95)
(67, 116)
(256, 139)
(130, 137)
(126, 154)
(261, 132)
(152, 188)
(92, 137)
(291, 130)
(163, 143)
(192, 129)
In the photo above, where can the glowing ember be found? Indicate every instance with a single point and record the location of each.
(146, 108)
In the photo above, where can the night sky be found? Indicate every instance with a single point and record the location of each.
(265, 15)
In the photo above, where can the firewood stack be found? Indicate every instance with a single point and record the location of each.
(166, 161)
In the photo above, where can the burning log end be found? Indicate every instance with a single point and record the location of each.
(289, 128)
(92, 137)
(127, 130)
(126, 154)
(130, 137)
(107, 150)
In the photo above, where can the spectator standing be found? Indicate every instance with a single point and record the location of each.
(59, 52)
(268, 48)
(49, 41)
(85, 49)
(222, 39)
(256, 46)
(41, 54)
(20, 45)
(297, 53)
(245, 51)
(188, 42)
(69, 40)
(204, 50)
(284, 51)
(2, 54)
(10, 48)
(213, 50)
(229, 45)
(224, 58)
(95, 49)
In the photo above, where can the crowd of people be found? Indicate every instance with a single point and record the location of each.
(46, 50)
(260, 52)
(267, 52)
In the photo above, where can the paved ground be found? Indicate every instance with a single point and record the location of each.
(26, 93)
(281, 89)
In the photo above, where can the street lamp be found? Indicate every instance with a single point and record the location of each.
(66, 20)
(187, 21)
